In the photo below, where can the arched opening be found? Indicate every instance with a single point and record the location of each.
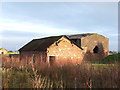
(95, 50)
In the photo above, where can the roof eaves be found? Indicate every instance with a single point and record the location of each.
(25, 45)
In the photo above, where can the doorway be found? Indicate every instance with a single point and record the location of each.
(51, 60)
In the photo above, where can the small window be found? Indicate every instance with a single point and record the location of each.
(95, 50)
(2, 52)
(51, 60)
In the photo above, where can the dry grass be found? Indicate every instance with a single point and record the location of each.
(67, 76)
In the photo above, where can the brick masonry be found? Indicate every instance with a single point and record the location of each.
(64, 51)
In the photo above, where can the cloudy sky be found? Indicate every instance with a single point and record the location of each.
(23, 21)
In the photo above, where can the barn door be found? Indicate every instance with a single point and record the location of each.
(51, 60)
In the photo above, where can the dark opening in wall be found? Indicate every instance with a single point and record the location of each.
(51, 60)
(33, 58)
(78, 41)
(95, 50)
(2, 52)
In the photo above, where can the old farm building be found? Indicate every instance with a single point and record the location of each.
(3, 51)
(65, 48)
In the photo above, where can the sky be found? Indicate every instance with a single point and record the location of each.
(20, 22)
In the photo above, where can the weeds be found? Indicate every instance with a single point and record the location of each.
(85, 75)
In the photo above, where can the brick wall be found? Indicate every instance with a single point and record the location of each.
(65, 52)
(30, 56)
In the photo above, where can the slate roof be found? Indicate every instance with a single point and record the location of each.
(40, 44)
(43, 43)
(79, 36)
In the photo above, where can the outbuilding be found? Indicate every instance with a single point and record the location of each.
(65, 48)
(3, 51)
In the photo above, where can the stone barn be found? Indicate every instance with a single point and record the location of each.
(3, 51)
(65, 48)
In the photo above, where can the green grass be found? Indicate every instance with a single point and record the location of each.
(111, 59)
(13, 52)
(103, 65)
(110, 54)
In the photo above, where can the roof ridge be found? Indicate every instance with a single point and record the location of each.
(82, 34)
(48, 37)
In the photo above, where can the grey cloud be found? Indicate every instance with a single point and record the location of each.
(66, 15)
(22, 34)
(83, 17)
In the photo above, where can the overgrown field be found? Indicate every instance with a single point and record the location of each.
(85, 75)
